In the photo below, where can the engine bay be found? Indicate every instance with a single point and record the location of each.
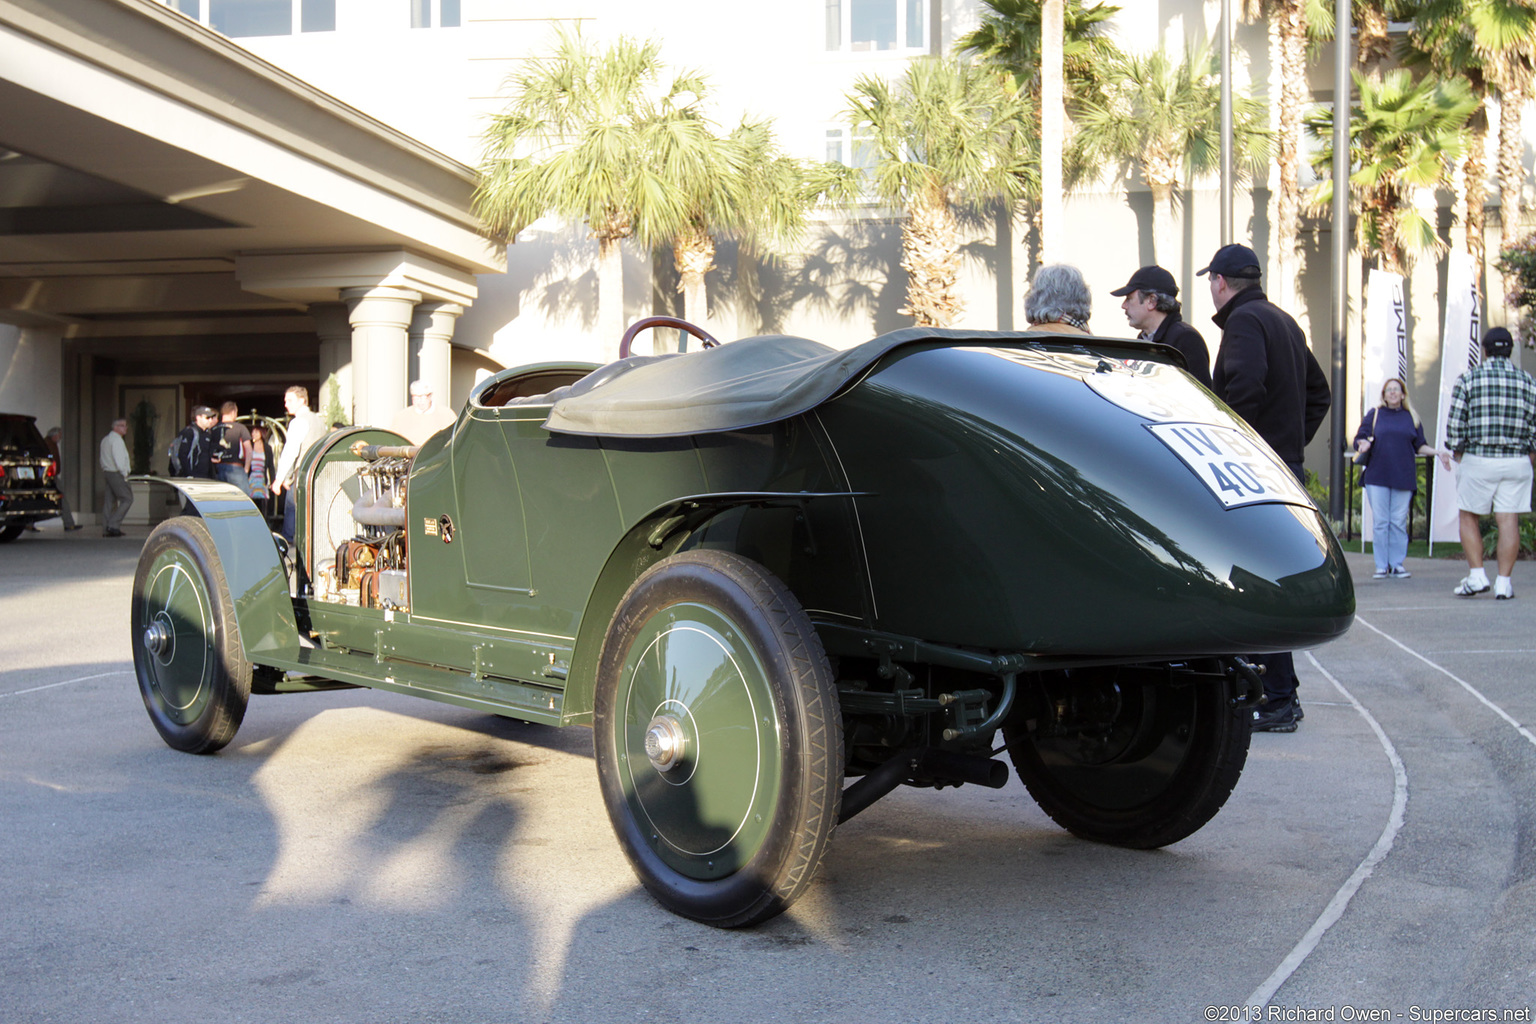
(360, 558)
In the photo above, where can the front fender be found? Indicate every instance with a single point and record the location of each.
(258, 585)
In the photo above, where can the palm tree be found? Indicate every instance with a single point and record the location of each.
(1492, 43)
(947, 140)
(740, 186)
(1164, 115)
(1372, 23)
(1009, 36)
(1404, 137)
(594, 137)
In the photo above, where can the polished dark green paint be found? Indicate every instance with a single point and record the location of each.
(980, 496)
(257, 584)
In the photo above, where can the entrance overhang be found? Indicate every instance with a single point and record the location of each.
(152, 172)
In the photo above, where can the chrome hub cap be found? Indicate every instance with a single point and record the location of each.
(158, 638)
(664, 742)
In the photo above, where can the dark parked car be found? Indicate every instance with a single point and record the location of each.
(762, 569)
(29, 489)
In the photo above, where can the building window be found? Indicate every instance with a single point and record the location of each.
(446, 11)
(866, 25)
(855, 148)
(239, 18)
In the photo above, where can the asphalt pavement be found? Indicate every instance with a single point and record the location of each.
(364, 856)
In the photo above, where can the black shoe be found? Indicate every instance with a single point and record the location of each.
(74, 527)
(1280, 716)
(112, 533)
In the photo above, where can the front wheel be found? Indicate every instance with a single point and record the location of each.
(1127, 756)
(11, 531)
(187, 653)
(718, 738)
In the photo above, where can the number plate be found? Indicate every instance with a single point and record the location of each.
(24, 473)
(1238, 469)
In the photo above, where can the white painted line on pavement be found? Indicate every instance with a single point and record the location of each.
(1522, 730)
(1336, 906)
(66, 682)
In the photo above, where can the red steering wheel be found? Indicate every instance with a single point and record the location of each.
(664, 321)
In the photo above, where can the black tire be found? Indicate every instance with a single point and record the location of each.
(1131, 762)
(11, 531)
(187, 654)
(711, 650)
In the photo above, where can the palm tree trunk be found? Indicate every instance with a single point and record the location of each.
(694, 256)
(1292, 29)
(1511, 171)
(610, 294)
(930, 254)
(1475, 189)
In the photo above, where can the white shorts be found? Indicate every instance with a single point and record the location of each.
(1494, 483)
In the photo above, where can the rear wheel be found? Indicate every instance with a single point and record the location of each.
(1117, 757)
(187, 653)
(718, 738)
(11, 531)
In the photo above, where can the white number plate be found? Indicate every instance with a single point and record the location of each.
(24, 473)
(1238, 469)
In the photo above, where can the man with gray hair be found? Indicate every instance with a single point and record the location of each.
(1152, 307)
(423, 417)
(1058, 300)
(115, 468)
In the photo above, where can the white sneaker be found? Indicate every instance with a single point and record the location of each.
(1379, 574)
(1469, 586)
(1503, 591)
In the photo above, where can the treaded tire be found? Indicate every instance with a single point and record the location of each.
(193, 675)
(1174, 755)
(712, 648)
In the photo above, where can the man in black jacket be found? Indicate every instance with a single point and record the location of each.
(192, 449)
(1268, 375)
(1152, 307)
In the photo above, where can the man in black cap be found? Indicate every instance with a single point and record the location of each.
(1491, 426)
(1268, 375)
(1152, 307)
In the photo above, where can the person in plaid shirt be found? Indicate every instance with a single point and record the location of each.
(1491, 426)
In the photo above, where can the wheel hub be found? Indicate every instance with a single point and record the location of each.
(665, 742)
(157, 638)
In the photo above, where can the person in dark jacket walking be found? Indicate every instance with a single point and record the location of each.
(1268, 375)
(1152, 307)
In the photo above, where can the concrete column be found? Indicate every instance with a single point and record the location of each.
(335, 332)
(431, 332)
(379, 318)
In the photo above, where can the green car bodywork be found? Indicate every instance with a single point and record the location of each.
(1067, 541)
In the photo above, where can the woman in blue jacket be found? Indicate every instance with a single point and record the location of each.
(1391, 438)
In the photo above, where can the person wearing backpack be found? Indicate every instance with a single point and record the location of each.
(232, 449)
(192, 450)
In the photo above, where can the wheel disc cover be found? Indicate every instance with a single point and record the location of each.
(1130, 762)
(708, 814)
(178, 674)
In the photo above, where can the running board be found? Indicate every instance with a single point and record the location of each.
(489, 694)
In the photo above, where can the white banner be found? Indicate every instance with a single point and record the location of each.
(1383, 354)
(1460, 350)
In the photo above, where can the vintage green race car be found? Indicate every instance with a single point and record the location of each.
(765, 568)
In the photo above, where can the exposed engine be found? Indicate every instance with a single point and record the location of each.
(370, 569)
